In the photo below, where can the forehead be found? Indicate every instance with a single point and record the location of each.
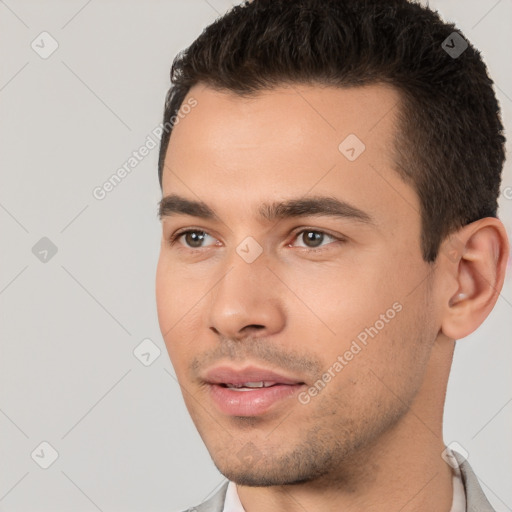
(296, 117)
(302, 110)
(288, 141)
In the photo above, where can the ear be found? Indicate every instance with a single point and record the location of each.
(474, 264)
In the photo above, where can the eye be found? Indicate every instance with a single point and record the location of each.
(313, 238)
(193, 238)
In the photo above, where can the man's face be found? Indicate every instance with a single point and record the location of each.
(293, 294)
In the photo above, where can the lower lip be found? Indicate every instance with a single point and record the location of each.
(250, 403)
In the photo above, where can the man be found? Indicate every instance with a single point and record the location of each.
(330, 178)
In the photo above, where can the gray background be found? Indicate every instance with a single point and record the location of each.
(69, 325)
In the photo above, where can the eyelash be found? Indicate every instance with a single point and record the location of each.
(176, 236)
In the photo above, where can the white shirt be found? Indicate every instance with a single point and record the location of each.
(233, 504)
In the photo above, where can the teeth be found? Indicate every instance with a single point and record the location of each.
(260, 384)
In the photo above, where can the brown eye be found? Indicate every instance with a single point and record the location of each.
(312, 238)
(191, 238)
(194, 238)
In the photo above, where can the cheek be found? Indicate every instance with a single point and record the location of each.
(169, 304)
(179, 303)
(396, 353)
(176, 295)
(367, 315)
(379, 377)
(340, 300)
(163, 294)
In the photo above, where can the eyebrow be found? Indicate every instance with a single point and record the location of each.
(296, 207)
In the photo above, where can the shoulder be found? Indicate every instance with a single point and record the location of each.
(213, 504)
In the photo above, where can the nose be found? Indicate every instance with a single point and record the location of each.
(247, 301)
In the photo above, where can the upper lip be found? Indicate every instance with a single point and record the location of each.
(229, 375)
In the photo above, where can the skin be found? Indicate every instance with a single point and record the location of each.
(372, 438)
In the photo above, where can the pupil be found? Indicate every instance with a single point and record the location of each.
(313, 236)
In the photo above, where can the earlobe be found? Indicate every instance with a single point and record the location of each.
(479, 272)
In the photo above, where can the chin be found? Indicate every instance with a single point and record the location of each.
(264, 473)
(256, 479)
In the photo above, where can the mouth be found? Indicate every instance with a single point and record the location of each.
(250, 391)
(248, 386)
